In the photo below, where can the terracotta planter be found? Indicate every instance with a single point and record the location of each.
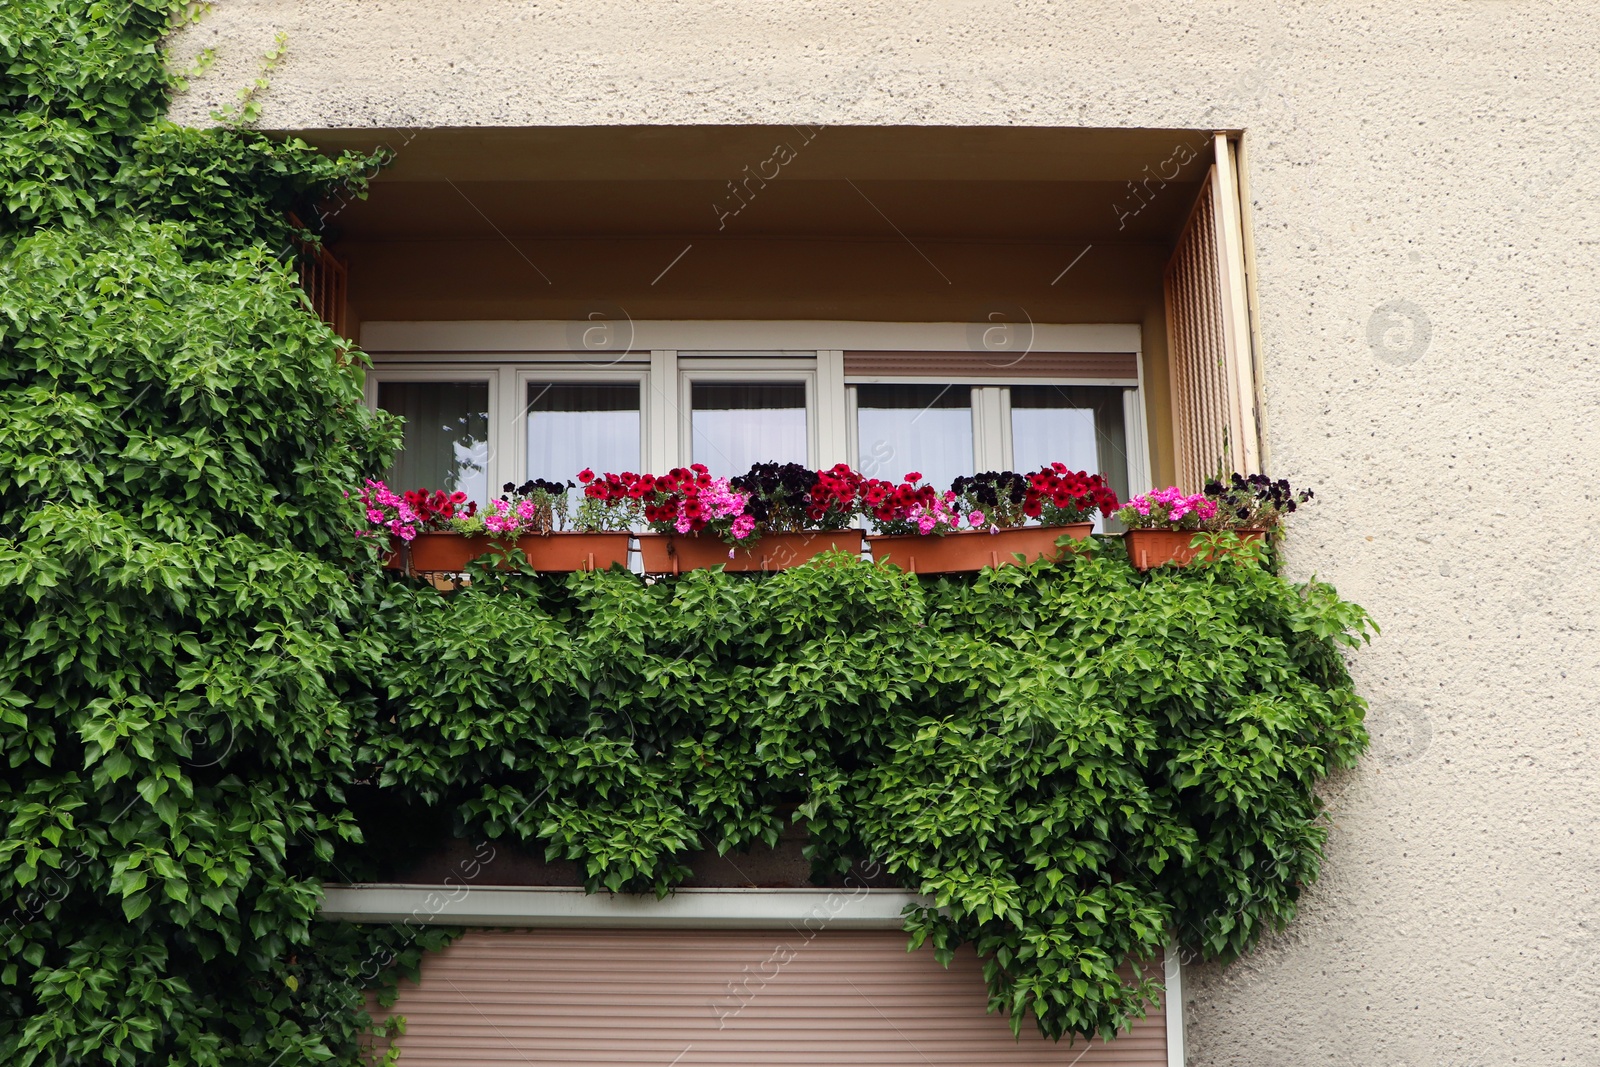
(439, 552)
(555, 553)
(1148, 549)
(560, 552)
(674, 553)
(973, 550)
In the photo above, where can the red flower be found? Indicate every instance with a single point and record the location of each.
(586, 476)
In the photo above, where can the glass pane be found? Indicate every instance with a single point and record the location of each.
(573, 425)
(446, 444)
(737, 424)
(1079, 425)
(922, 428)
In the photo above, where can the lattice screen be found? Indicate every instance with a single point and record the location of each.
(1208, 342)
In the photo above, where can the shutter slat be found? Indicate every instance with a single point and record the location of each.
(745, 997)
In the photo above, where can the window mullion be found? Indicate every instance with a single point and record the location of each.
(506, 460)
(663, 411)
(987, 429)
(851, 430)
(833, 417)
(1007, 452)
(1138, 452)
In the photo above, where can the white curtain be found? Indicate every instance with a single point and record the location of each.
(925, 429)
(737, 424)
(573, 425)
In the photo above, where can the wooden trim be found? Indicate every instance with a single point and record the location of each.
(533, 336)
(325, 281)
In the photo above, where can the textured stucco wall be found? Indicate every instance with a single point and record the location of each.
(1438, 165)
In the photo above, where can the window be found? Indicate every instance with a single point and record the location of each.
(475, 421)
(736, 424)
(922, 428)
(573, 425)
(1082, 426)
(446, 442)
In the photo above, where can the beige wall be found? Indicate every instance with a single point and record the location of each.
(1406, 162)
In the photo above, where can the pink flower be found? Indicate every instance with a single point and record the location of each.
(975, 519)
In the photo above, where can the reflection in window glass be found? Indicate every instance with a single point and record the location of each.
(573, 425)
(1079, 425)
(446, 443)
(737, 424)
(922, 428)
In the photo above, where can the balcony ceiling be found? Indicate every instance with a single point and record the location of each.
(960, 184)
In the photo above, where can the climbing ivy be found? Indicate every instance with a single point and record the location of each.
(210, 702)
(1074, 761)
(176, 585)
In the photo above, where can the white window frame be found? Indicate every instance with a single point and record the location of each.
(510, 354)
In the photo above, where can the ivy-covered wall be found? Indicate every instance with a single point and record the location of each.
(176, 591)
(210, 700)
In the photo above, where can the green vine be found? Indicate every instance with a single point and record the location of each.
(1074, 761)
(246, 107)
(210, 701)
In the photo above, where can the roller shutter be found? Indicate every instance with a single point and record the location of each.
(732, 997)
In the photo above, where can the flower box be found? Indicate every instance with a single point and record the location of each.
(676, 553)
(972, 550)
(557, 552)
(1148, 549)
(439, 551)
